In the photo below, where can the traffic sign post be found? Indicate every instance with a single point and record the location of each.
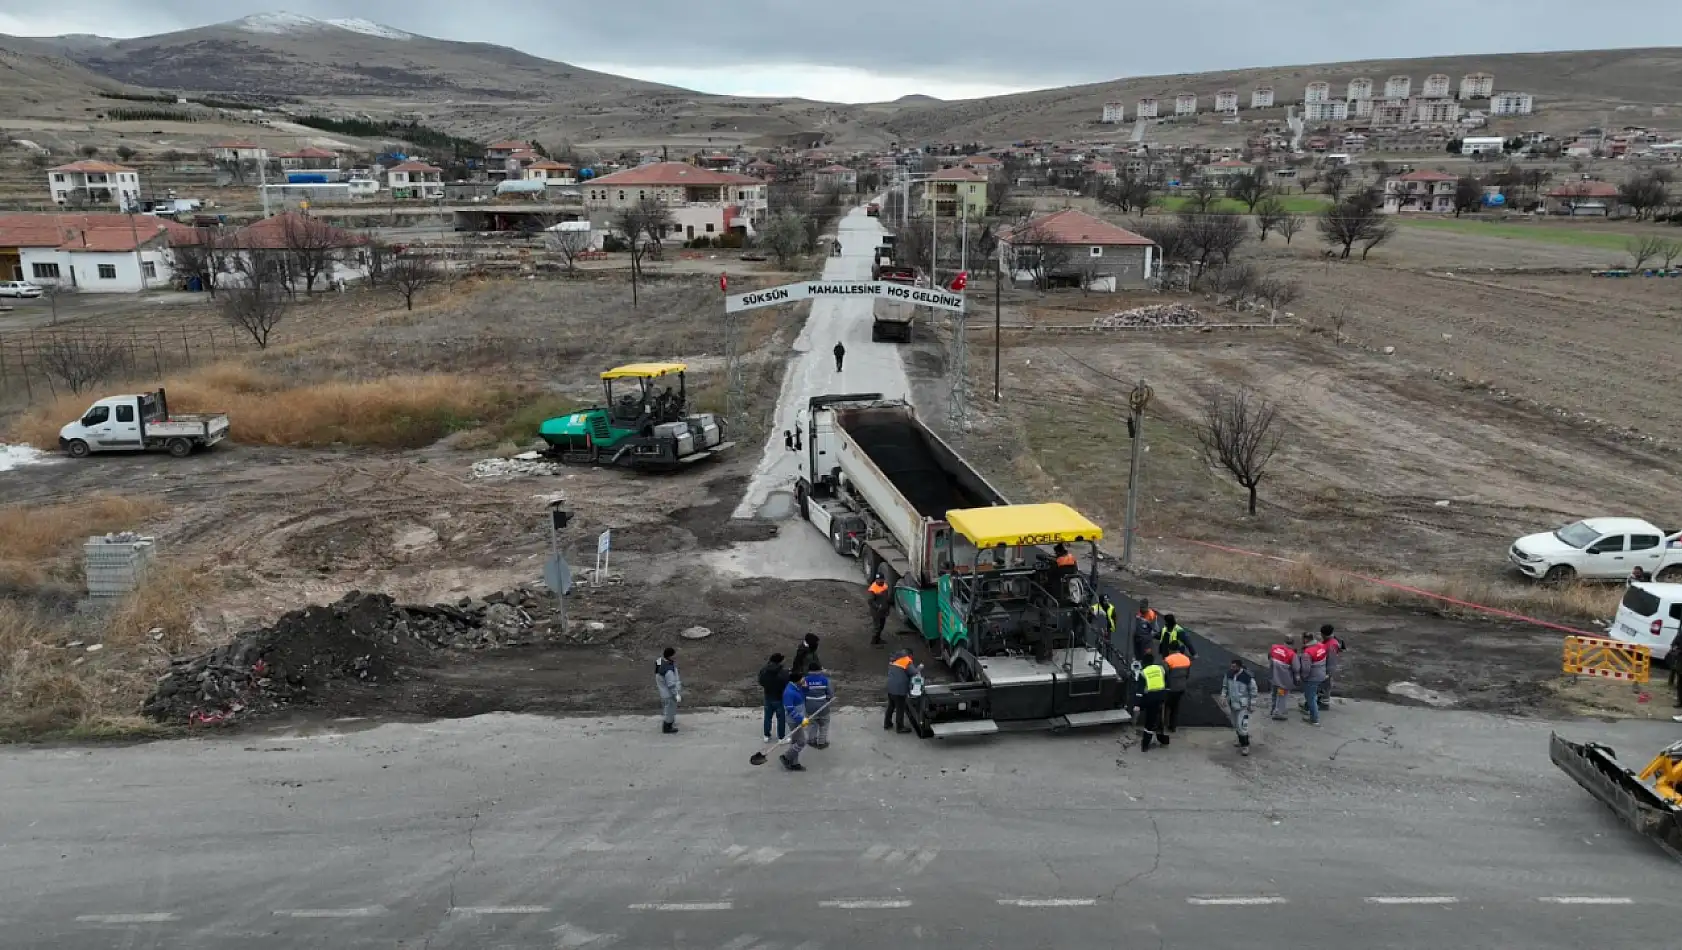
(604, 547)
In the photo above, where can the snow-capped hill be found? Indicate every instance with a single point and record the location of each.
(282, 23)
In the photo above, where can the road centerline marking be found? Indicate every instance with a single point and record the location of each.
(1585, 899)
(155, 918)
(865, 904)
(1047, 901)
(1419, 899)
(513, 909)
(1234, 901)
(331, 912)
(680, 906)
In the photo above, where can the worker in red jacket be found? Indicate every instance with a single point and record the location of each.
(1282, 664)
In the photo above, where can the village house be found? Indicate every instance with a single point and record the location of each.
(308, 159)
(835, 178)
(497, 153)
(238, 152)
(1583, 199)
(1426, 191)
(89, 253)
(701, 202)
(414, 179)
(954, 193)
(93, 182)
(273, 245)
(1077, 249)
(1220, 173)
(985, 164)
(552, 173)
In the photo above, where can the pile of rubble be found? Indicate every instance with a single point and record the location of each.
(1156, 315)
(363, 638)
(520, 466)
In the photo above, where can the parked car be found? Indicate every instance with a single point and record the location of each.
(1648, 617)
(19, 288)
(1599, 549)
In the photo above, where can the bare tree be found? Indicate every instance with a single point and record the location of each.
(1355, 220)
(1270, 214)
(569, 244)
(257, 307)
(380, 256)
(1201, 199)
(1468, 195)
(1213, 236)
(1643, 249)
(1037, 253)
(784, 235)
(1336, 180)
(1670, 251)
(205, 257)
(312, 246)
(643, 225)
(1289, 225)
(408, 274)
(80, 363)
(1170, 237)
(1240, 432)
(1237, 281)
(1277, 292)
(1128, 192)
(1643, 194)
(1380, 232)
(52, 290)
(1250, 188)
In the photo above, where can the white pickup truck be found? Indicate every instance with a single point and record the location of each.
(1599, 549)
(136, 423)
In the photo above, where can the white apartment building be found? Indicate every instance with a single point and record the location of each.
(1436, 111)
(1359, 88)
(1436, 86)
(93, 183)
(1317, 91)
(1114, 112)
(1261, 97)
(1360, 108)
(1398, 87)
(1326, 110)
(1147, 108)
(1185, 103)
(1477, 86)
(1226, 100)
(1511, 103)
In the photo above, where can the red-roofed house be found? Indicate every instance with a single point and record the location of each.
(552, 173)
(308, 159)
(274, 244)
(701, 201)
(94, 183)
(1427, 191)
(413, 179)
(1072, 247)
(955, 192)
(93, 253)
(835, 178)
(1583, 198)
(238, 150)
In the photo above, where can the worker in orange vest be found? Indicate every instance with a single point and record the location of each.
(1178, 667)
(881, 602)
(1064, 558)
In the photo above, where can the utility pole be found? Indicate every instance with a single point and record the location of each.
(963, 238)
(1137, 401)
(262, 181)
(998, 305)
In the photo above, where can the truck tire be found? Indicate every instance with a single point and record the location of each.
(1559, 574)
(1670, 575)
(179, 448)
(869, 562)
(77, 449)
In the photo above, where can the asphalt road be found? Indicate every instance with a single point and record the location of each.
(1387, 827)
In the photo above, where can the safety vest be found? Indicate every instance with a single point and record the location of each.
(1148, 616)
(1172, 634)
(1177, 660)
(1156, 678)
(1280, 653)
(1107, 611)
(1316, 652)
(878, 586)
(1066, 560)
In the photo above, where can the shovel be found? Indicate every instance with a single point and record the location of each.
(759, 758)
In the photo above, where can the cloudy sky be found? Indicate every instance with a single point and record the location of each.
(874, 50)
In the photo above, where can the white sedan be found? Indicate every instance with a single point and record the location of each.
(19, 288)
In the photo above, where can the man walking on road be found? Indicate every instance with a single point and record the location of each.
(1178, 666)
(820, 694)
(1151, 686)
(1334, 649)
(840, 354)
(900, 671)
(1240, 691)
(1311, 673)
(670, 687)
(1282, 660)
(881, 603)
(1144, 630)
(772, 679)
(794, 704)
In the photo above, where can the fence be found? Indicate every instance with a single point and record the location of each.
(30, 360)
(1608, 659)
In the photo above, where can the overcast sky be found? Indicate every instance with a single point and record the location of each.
(874, 50)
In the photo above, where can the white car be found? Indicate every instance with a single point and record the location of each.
(18, 288)
(1648, 617)
(1599, 549)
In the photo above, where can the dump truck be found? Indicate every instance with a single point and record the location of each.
(1648, 801)
(891, 319)
(644, 427)
(1008, 622)
(140, 422)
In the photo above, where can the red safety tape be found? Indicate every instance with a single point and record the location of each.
(1411, 590)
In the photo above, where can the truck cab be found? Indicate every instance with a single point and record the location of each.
(138, 422)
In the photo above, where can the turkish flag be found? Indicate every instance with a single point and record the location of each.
(723, 283)
(960, 282)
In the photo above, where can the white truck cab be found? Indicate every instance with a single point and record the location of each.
(1649, 616)
(138, 422)
(1604, 549)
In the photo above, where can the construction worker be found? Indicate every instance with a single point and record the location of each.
(794, 706)
(670, 687)
(1239, 688)
(1151, 686)
(840, 354)
(804, 656)
(1674, 661)
(772, 679)
(788, 440)
(1103, 615)
(881, 604)
(820, 693)
(1062, 557)
(1174, 634)
(901, 669)
(1334, 649)
(1282, 660)
(1178, 666)
(1145, 629)
(1311, 674)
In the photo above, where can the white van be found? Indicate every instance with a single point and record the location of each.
(1649, 617)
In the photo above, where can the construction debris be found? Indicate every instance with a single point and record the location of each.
(1156, 315)
(363, 638)
(520, 466)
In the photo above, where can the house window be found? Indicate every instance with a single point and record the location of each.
(621, 196)
(58, 177)
(107, 272)
(709, 229)
(46, 271)
(148, 269)
(1096, 251)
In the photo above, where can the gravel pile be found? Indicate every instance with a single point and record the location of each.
(1157, 315)
(363, 638)
(515, 468)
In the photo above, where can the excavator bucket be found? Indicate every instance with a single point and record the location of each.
(1595, 767)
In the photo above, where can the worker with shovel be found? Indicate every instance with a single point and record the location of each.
(794, 705)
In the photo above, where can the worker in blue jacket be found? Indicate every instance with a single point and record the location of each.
(794, 704)
(820, 696)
